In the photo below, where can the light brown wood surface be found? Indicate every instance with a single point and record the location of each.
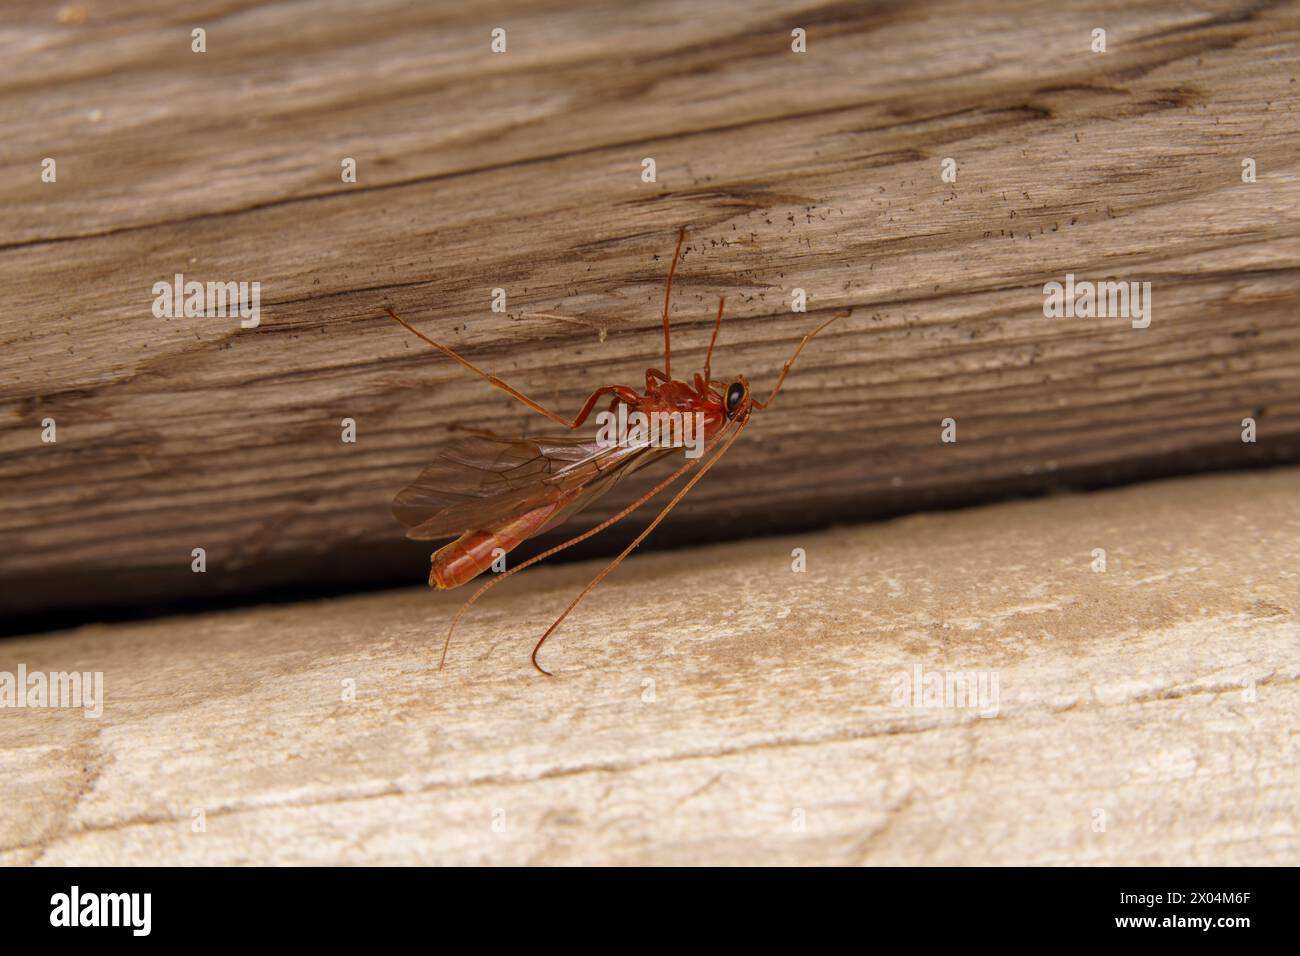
(721, 709)
(522, 171)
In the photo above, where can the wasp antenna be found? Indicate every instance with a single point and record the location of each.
(729, 438)
(786, 370)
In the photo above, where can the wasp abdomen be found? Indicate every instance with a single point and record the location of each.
(474, 551)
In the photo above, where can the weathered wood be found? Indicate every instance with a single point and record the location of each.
(703, 709)
(522, 171)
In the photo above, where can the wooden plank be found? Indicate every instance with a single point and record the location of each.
(522, 171)
(715, 706)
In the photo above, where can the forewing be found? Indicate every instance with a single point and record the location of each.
(477, 480)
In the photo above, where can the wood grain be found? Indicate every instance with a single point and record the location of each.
(522, 171)
(1144, 714)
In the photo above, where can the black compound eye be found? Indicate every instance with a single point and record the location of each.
(735, 394)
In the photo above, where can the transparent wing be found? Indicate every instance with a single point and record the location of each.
(477, 480)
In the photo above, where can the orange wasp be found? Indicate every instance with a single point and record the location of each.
(492, 493)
